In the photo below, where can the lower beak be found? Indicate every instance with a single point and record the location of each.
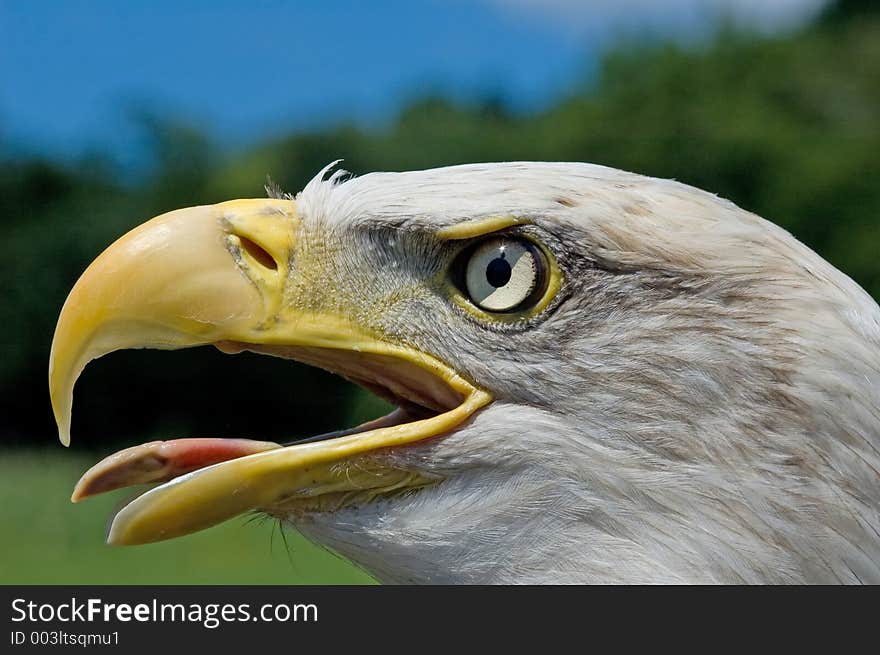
(218, 275)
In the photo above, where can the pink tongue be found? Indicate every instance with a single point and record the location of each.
(160, 461)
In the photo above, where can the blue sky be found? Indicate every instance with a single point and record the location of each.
(71, 72)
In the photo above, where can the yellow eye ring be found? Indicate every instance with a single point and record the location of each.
(505, 277)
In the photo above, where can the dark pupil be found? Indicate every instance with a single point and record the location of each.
(498, 272)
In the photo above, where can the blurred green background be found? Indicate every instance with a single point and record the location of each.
(786, 125)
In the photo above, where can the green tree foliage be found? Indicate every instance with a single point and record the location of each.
(786, 127)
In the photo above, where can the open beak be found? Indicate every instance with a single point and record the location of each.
(222, 275)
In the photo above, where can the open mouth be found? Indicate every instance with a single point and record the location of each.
(203, 481)
(172, 283)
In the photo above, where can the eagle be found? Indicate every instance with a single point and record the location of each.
(598, 377)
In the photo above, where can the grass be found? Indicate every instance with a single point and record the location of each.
(47, 540)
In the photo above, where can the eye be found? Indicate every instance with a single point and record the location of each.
(504, 274)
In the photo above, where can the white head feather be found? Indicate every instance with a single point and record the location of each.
(701, 405)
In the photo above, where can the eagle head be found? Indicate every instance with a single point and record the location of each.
(598, 377)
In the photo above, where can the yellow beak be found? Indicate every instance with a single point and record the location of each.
(221, 275)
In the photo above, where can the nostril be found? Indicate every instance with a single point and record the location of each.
(258, 253)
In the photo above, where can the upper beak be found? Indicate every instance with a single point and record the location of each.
(190, 277)
(220, 275)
